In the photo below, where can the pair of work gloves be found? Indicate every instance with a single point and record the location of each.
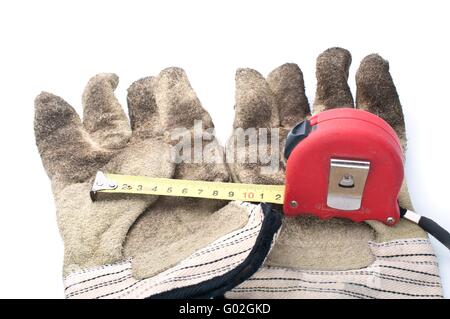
(144, 246)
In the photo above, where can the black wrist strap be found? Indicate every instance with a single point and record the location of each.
(428, 225)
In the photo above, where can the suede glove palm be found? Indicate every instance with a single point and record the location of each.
(130, 246)
(334, 258)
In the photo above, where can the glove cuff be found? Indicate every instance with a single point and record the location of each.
(207, 273)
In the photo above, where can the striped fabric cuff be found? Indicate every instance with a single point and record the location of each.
(402, 269)
(205, 273)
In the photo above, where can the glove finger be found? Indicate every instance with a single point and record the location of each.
(103, 116)
(66, 149)
(178, 105)
(332, 90)
(255, 103)
(142, 107)
(288, 87)
(376, 93)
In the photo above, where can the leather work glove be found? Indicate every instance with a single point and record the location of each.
(334, 258)
(132, 246)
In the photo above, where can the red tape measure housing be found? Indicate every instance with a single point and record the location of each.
(338, 139)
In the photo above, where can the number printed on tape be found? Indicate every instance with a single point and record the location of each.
(129, 184)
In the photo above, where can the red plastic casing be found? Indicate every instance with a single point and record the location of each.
(350, 134)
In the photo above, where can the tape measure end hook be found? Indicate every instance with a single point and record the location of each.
(101, 182)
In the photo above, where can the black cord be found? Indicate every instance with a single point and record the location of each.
(433, 228)
(428, 225)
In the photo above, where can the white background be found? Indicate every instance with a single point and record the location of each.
(58, 45)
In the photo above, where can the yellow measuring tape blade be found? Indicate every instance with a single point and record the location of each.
(128, 184)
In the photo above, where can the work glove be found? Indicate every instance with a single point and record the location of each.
(335, 258)
(133, 246)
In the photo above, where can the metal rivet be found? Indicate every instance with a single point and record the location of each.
(390, 220)
(293, 203)
(347, 181)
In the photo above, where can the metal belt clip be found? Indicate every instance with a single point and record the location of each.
(346, 183)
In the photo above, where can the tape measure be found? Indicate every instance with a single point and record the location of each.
(343, 163)
(129, 184)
